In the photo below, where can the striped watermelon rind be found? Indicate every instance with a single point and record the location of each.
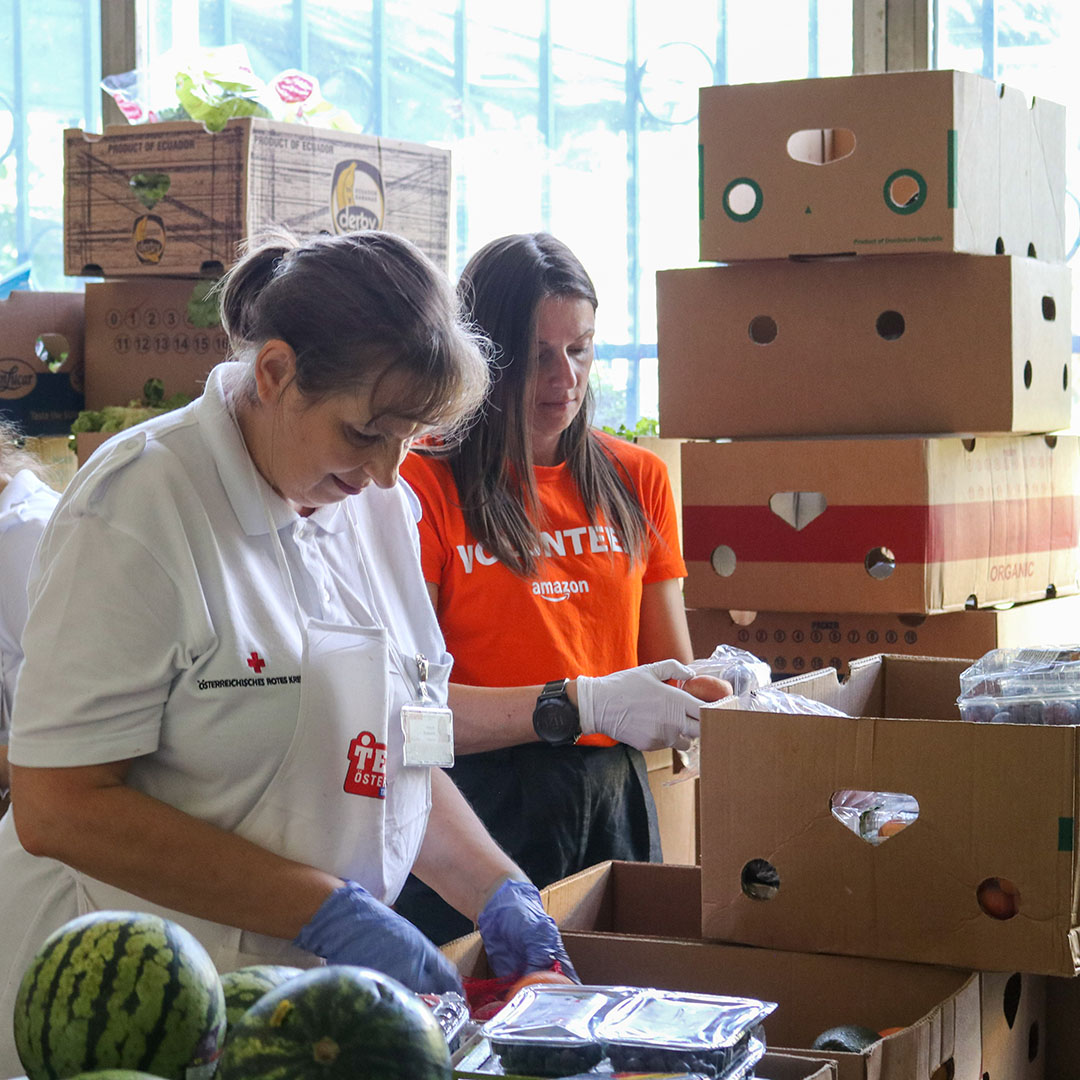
(119, 990)
(337, 1023)
(115, 1074)
(246, 985)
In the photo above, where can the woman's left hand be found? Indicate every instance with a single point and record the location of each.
(519, 935)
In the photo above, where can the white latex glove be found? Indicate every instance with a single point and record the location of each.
(638, 708)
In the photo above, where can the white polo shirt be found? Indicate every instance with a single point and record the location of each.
(160, 627)
(25, 506)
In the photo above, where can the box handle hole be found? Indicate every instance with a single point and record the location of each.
(798, 508)
(1033, 1042)
(1049, 308)
(52, 350)
(1027, 374)
(874, 816)
(821, 146)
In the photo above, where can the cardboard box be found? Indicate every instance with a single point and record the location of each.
(675, 795)
(176, 199)
(910, 161)
(884, 525)
(634, 924)
(794, 642)
(37, 328)
(934, 344)
(143, 328)
(995, 801)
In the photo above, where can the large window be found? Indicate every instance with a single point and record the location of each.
(578, 118)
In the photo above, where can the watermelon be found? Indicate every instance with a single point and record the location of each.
(246, 985)
(115, 1074)
(119, 990)
(337, 1023)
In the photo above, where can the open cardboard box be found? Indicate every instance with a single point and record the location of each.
(903, 161)
(910, 343)
(995, 801)
(888, 525)
(176, 199)
(36, 327)
(638, 924)
(792, 643)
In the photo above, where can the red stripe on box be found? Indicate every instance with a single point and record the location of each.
(924, 534)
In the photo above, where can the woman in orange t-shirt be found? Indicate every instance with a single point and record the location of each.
(552, 557)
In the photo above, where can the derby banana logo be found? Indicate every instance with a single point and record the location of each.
(148, 236)
(356, 197)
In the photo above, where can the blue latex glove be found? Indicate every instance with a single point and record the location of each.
(352, 927)
(519, 935)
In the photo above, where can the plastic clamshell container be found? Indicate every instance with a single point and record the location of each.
(550, 1030)
(667, 1031)
(452, 1012)
(1023, 686)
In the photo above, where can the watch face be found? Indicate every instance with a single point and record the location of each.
(556, 720)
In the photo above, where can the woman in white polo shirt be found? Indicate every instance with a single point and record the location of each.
(227, 618)
(26, 502)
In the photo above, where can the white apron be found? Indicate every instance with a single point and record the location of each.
(342, 799)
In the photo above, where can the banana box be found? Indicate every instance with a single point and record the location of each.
(175, 199)
(41, 361)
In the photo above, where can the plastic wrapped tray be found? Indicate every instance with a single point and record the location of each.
(556, 1031)
(1028, 685)
(452, 1012)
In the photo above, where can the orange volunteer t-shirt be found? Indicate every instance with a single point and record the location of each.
(580, 614)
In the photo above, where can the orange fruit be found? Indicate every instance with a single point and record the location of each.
(534, 977)
(998, 897)
(889, 1031)
(891, 828)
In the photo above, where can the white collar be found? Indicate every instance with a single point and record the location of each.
(222, 434)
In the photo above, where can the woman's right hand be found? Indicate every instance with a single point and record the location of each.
(639, 708)
(352, 927)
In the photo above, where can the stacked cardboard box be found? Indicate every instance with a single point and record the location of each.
(882, 353)
(164, 209)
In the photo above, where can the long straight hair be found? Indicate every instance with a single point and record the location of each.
(501, 289)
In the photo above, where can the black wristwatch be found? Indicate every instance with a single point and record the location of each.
(555, 717)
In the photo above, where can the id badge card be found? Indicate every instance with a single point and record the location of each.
(428, 728)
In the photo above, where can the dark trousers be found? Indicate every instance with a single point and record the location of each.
(555, 811)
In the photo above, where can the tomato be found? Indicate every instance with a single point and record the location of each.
(534, 977)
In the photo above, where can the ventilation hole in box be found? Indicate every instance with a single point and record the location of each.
(1064, 376)
(212, 268)
(1050, 440)
(880, 562)
(762, 329)
(968, 444)
(890, 325)
(971, 603)
(985, 1076)
(999, 898)
(1032, 253)
(821, 146)
(1010, 1002)
(999, 247)
(52, 350)
(91, 270)
(905, 191)
(1049, 308)
(1033, 1042)
(944, 1071)
(1051, 592)
(760, 881)
(723, 560)
(1027, 374)
(742, 199)
(911, 620)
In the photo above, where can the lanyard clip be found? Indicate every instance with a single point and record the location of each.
(422, 672)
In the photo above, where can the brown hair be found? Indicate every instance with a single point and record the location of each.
(502, 287)
(355, 308)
